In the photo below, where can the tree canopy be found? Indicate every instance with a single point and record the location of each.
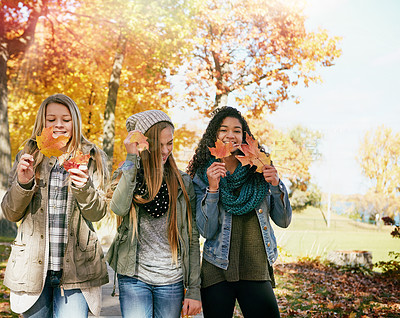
(257, 50)
(379, 158)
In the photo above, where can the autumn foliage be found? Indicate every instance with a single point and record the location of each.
(50, 145)
(309, 288)
(221, 150)
(141, 140)
(253, 154)
(257, 49)
(76, 161)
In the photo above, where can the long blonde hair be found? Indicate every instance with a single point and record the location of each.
(154, 174)
(76, 142)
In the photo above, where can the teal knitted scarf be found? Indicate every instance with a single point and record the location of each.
(253, 189)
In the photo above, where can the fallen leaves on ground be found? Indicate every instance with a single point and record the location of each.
(50, 146)
(308, 288)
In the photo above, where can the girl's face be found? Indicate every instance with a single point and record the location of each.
(59, 117)
(231, 131)
(167, 143)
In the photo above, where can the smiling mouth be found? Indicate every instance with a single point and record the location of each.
(60, 133)
(233, 144)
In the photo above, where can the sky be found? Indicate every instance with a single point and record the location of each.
(359, 93)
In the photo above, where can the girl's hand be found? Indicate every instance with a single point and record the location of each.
(271, 175)
(191, 307)
(214, 174)
(25, 168)
(80, 176)
(131, 147)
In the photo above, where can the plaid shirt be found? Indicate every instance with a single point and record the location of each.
(58, 221)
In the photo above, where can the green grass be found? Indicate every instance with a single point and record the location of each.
(309, 236)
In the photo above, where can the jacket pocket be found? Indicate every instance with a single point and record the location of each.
(17, 265)
(89, 257)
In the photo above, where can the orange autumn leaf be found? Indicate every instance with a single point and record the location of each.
(50, 146)
(75, 162)
(253, 155)
(221, 150)
(141, 140)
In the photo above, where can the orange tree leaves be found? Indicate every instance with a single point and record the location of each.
(258, 49)
(50, 146)
(141, 140)
(253, 155)
(76, 161)
(221, 150)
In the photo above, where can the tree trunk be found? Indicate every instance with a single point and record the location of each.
(8, 49)
(109, 113)
(5, 146)
(7, 228)
(351, 258)
(221, 100)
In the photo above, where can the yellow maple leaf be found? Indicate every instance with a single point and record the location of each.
(141, 140)
(50, 146)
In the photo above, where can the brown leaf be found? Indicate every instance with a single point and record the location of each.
(253, 155)
(75, 162)
(141, 140)
(50, 146)
(221, 150)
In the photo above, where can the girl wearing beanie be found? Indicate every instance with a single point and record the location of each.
(234, 207)
(155, 252)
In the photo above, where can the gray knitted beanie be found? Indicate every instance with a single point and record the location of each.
(144, 120)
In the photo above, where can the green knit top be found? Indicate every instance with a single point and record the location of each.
(247, 255)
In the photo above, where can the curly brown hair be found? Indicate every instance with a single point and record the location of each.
(202, 154)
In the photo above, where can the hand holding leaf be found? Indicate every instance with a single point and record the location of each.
(221, 150)
(50, 146)
(140, 139)
(253, 155)
(75, 162)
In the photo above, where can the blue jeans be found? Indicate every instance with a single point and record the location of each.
(52, 305)
(140, 300)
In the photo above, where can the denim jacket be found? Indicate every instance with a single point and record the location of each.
(215, 224)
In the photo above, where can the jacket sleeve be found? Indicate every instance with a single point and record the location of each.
(207, 211)
(193, 290)
(280, 208)
(16, 200)
(122, 197)
(91, 198)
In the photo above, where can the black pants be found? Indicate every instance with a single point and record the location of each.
(256, 299)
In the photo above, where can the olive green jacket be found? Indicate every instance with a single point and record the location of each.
(122, 253)
(84, 264)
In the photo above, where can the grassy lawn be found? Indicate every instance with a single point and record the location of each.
(309, 236)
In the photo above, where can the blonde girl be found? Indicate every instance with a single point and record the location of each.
(56, 267)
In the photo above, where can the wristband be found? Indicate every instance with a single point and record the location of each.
(211, 191)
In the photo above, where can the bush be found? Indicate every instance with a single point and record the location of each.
(391, 268)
